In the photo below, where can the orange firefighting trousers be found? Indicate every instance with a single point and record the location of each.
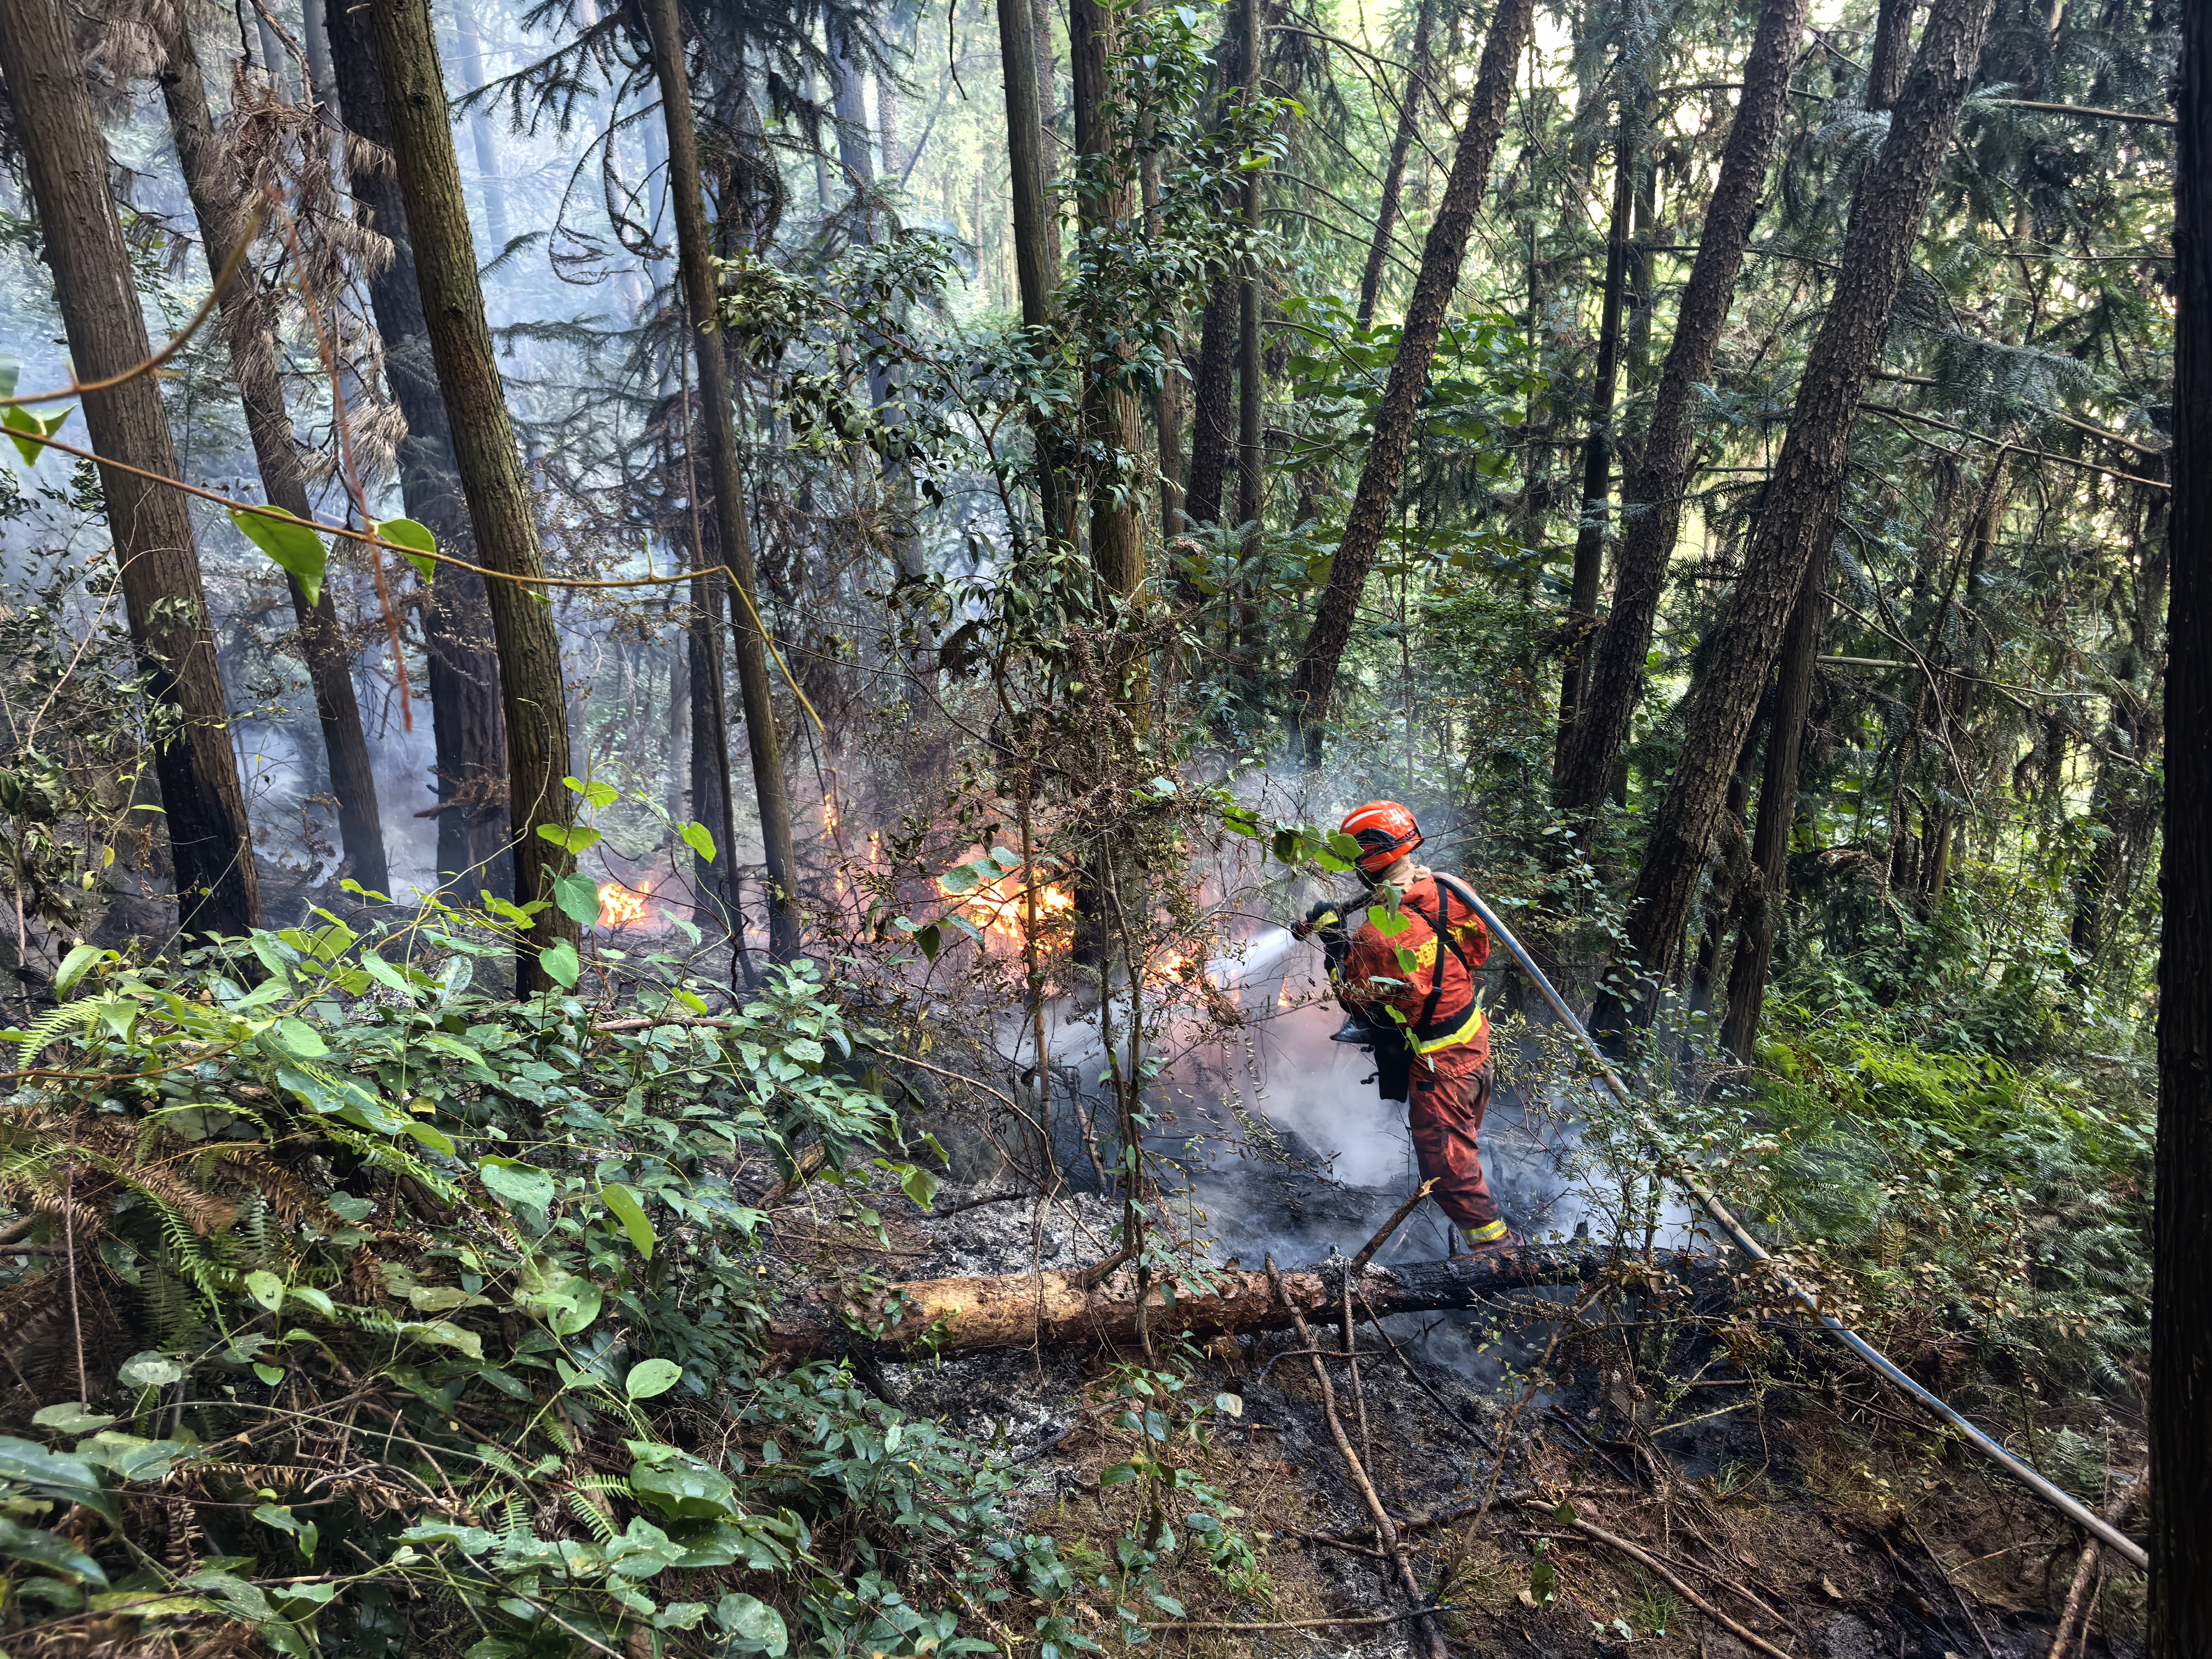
(1444, 1108)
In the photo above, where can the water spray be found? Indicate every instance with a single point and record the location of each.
(1683, 1171)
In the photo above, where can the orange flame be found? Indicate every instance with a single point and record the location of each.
(620, 908)
(1002, 907)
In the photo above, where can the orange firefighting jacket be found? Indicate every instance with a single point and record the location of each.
(1424, 973)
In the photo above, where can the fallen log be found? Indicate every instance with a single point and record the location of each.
(1054, 1310)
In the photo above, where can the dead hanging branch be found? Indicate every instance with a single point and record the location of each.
(1058, 1309)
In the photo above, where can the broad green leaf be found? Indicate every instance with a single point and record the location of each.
(596, 793)
(700, 839)
(45, 426)
(578, 898)
(444, 1333)
(290, 543)
(574, 839)
(266, 1288)
(148, 1371)
(415, 542)
(560, 964)
(753, 1622)
(46, 1549)
(649, 1377)
(81, 957)
(631, 1214)
(515, 1183)
(74, 1417)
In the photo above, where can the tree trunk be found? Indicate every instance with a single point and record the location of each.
(211, 841)
(533, 698)
(1891, 56)
(491, 177)
(1801, 501)
(848, 99)
(1441, 258)
(1251, 453)
(711, 796)
(1651, 494)
(1168, 406)
(1054, 1310)
(467, 727)
(212, 180)
(1394, 174)
(1213, 430)
(1777, 814)
(734, 538)
(1117, 548)
(2181, 1235)
(1036, 233)
(1582, 619)
(2124, 809)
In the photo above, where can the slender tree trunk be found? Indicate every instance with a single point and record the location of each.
(1251, 443)
(491, 176)
(210, 841)
(1393, 174)
(2181, 1236)
(1441, 259)
(1795, 529)
(1251, 450)
(1891, 54)
(1777, 813)
(711, 795)
(1168, 406)
(468, 728)
(1597, 443)
(2124, 800)
(1117, 548)
(534, 698)
(212, 180)
(733, 536)
(1651, 494)
(1213, 434)
(1036, 233)
(848, 98)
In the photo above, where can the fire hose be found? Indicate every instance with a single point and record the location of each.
(1681, 1169)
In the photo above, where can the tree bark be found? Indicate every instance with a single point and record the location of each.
(214, 181)
(2181, 1236)
(1117, 548)
(1394, 174)
(1036, 233)
(211, 841)
(1777, 814)
(1891, 56)
(1213, 429)
(1582, 619)
(848, 99)
(1054, 1310)
(1251, 453)
(1168, 406)
(732, 535)
(1795, 529)
(1441, 259)
(1651, 494)
(467, 727)
(533, 698)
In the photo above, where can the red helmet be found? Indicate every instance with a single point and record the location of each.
(1386, 832)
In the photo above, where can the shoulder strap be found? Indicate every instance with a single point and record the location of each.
(1440, 924)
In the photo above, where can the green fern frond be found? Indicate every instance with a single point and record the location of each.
(496, 1459)
(36, 1039)
(597, 1521)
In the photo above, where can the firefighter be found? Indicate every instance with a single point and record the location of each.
(1411, 994)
